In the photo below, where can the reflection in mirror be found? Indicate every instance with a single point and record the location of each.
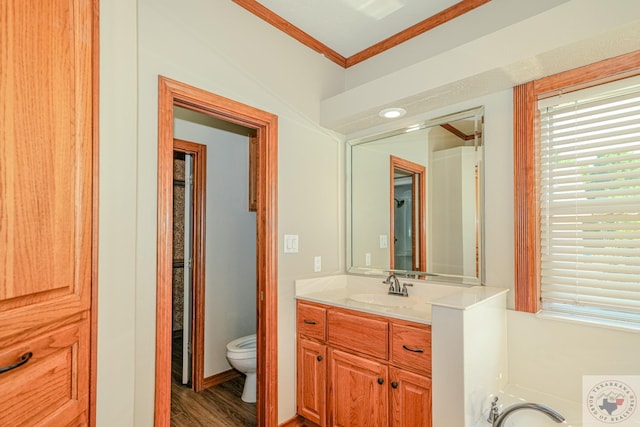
(416, 204)
(407, 250)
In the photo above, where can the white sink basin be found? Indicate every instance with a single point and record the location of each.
(383, 300)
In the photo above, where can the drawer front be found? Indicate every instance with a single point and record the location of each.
(311, 321)
(411, 347)
(51, 388)
(360, 334)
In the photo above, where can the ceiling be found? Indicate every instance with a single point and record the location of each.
(351, 31)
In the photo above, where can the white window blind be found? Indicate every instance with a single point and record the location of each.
(589, 193)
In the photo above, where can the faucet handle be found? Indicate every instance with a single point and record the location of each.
(494, 412)
(405, 292)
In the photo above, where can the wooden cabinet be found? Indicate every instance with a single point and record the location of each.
(378, 372)
(312, 380)
(410, 398)
(357, 391)
(47, 205)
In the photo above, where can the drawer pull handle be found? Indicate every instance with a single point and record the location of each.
(23, 359)
(309, 322)
(380, 381)
(415, 350)
(319, 358)
(394, 385)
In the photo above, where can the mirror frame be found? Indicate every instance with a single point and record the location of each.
(476, 113)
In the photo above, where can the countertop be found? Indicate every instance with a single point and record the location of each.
(339, 291)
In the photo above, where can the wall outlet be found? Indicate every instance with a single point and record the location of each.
(317, 264)
(367, 259)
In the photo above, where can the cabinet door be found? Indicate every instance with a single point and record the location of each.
(46, 152)
(410, 399)
(357, 391)
(312, 381)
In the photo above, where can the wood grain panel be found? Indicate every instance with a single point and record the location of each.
(45, 159)
(358, 393)
(311, 382)
(525, 204)
(52, 388)
(311, 321)
(358, 333)
(410, 347)
(410, 399)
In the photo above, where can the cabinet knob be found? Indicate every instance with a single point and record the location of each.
(380, 380)
(319, 358)
(394, 384)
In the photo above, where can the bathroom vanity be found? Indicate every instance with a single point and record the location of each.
(368, 358)
(356, 368)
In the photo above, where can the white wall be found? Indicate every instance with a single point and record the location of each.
(216, 46)
(230, 289)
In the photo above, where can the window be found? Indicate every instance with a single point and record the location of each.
(588, 149)
(578, 194)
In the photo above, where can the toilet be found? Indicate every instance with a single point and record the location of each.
(241, 354)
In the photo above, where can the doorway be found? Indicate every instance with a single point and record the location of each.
(407, 214)
(175, 94)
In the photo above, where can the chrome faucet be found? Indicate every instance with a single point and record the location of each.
(497, 419)
(394, 286)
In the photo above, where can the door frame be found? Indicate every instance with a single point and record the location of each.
(173, 93)
(419, 238)
(199, 153)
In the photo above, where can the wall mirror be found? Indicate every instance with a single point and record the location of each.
(415, 200)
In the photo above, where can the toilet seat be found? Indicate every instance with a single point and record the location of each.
(242, 348)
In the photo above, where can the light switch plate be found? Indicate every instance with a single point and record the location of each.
(290, 243)
(317, 264)
(383, 241)
(367, 259)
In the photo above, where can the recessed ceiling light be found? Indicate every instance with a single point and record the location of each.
(392, 113)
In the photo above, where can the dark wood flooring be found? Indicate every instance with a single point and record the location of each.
(218, 406)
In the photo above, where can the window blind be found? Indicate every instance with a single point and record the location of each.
(588, 170)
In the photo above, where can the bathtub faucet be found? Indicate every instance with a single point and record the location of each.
(497, 419)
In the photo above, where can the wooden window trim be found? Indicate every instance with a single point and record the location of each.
(526, 218)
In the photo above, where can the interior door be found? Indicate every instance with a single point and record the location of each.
(188, 263)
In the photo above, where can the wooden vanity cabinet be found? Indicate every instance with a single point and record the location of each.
(357, 369)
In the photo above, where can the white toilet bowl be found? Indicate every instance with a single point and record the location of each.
(241, 354)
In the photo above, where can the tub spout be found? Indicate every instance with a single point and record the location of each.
(497, 419)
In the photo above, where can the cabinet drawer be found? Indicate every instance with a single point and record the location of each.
(311, 321)
(51, 388)
(357, 333)
(411, 347)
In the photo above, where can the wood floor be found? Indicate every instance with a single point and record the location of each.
(216, 406)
